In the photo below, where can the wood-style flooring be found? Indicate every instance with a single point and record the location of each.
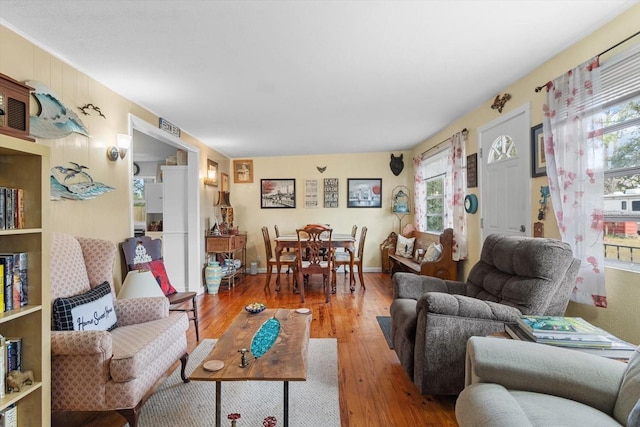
(374, 390)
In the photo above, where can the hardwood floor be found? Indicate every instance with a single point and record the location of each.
(374, 390)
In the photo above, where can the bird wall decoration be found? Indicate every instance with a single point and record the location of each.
(321, 169)
(86, 107)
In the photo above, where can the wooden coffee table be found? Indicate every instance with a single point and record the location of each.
(285, 361)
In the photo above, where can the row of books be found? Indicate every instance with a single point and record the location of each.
(14, 282)
(570, 332)
(11, 208)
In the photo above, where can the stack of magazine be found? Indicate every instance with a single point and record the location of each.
(570, 332)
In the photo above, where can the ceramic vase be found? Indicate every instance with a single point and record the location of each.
(213, 277)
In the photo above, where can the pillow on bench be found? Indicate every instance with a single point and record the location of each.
(404, 247)
(433, 253)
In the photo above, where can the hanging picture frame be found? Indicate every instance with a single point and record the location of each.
(364, 192)
(224, 181)
(278, 193)
(243, 171)
(331, 192)
(539, 161)
(311, 193)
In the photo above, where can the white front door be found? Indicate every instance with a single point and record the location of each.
(505, 175)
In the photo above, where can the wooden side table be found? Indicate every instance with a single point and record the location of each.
(229, 245)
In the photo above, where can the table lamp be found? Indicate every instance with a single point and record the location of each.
(140, 284)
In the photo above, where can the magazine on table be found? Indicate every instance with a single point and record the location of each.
(615, 347)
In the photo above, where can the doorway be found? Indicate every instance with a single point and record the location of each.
(181, 247)
(505, 178)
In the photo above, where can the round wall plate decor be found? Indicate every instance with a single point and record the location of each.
(471, 203)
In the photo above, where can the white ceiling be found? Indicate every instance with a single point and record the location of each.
(269, 78)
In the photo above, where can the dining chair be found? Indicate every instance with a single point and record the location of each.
(286, 258)
(277, 230)
(147, 252)
(312, 240)
(343, 258)
(354, 231)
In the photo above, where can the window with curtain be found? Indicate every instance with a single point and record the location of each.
(620, 99)
(431, 208)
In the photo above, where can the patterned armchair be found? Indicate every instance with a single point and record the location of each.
(102, 370)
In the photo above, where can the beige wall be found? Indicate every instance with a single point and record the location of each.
(107, 216)
(623, 293)
(380, 221)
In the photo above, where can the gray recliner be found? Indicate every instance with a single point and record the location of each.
(432, 319)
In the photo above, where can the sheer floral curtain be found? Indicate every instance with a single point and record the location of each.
(420, 194)
(456, 183)
(572, 127)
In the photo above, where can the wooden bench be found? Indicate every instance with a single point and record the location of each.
(444, 267)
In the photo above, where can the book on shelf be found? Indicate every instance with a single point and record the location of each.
(7, 261)
(20, 284)
(3, 367)
(12, 357)
(3, 198)
(9, 416)
(2, 276)
(19, 211)
(615, 349)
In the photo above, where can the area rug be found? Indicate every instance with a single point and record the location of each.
(312, 403)
(385, 325)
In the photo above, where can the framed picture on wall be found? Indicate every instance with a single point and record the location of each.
(278, 193)
(539, 161)
(364, 193)
(243, 171)
(224, 181)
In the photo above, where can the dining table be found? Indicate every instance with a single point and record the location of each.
(338, 240)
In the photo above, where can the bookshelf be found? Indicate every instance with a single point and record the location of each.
(25, 165)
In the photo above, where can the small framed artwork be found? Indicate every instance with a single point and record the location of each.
(331, 192)
(311, 193)
(472, 170)
(278, 193)
(243, 171)
(212, 174)
(224, 180)
(538, 159)
(364, 193)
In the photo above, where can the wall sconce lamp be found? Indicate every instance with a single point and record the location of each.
(212, 174)
(124, 142)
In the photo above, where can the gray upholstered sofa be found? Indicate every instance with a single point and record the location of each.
(517, 383)
(432, 319)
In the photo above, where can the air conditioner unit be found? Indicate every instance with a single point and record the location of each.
(14, 108)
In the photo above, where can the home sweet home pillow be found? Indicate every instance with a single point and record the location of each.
(404, 247)
(90, 311)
